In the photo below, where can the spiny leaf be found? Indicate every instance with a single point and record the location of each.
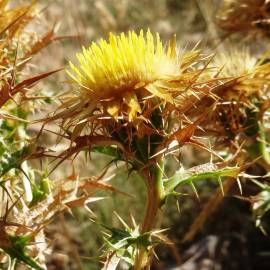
(14, 160)
(16, 251)
(208, 170)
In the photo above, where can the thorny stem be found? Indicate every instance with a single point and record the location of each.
(155, 194)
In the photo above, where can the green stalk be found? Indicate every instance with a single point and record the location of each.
(155, 195)
(263, 144)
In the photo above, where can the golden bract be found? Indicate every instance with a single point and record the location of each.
(251, 76)
(235, 62)
(118, 71)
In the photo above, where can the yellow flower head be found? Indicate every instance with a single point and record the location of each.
(132, 84)
(251, 75)
(235, 62)
(119, 71)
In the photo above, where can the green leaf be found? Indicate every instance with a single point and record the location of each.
(125, 242)
(107, 150)
(13, 160)
(16, 251)
(208, 170)
(40, 191)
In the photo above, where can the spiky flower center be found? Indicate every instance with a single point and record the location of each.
(123, 62)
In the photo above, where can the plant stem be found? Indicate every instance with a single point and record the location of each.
(263, 144)
(155, 194)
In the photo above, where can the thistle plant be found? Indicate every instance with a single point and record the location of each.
(245, 100)
(139, 101)
(240, 123)
(135, 99)
(247, 128)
